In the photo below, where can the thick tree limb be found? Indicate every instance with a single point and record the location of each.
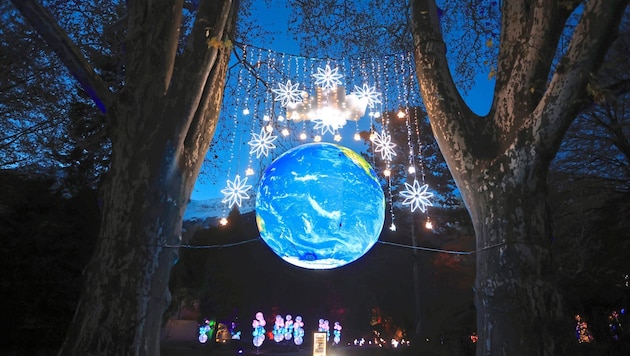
(43, 22)
(563, 98)
(197, 62)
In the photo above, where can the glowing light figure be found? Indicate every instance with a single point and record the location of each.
(262, 143)
(367, 93)
(288, 94)
(236, 191)
(206, 330)
(278, 329)
(324, 327)
(417, 196)
(327, 78)
(337, 333)
(383, 144)
(288, 327)
(298, 331)
(259, 329)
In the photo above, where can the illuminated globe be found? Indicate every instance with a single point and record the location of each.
(320, 206)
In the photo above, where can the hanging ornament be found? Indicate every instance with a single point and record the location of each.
(263, 142)
(417, 196)
(383, 144)
(288, 94)
(236, 191)
(327, 78)
(367, 94)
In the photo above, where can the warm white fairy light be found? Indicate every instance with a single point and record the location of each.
(317, 138)
(235, 191)
(387, 172)
(280, 118)
(383, 144)
(269, 128)
(337, 137)
(357, 137)
(401, 114)
(246, 111)
(392, 227)
(411, 169)
(285, 132)
(417, 196)
(288, 93)
(327, 78)
(428, 225)
(266, 118)
(249, 171)
(303, 136)
(262, 143)
(223, 221)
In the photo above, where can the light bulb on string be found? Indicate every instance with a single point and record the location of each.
(303, 136)
(317, 138)
(387, 172)
(428, 224)
(411, 169)
(357, 136)
(392, 227)
(223, 221)
(285, 132)
(401, 114)
(249, 171)
(337, 137)
(246, 111)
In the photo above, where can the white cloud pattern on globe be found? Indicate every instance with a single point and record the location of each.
(320, 206)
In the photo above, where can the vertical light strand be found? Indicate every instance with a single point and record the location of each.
(428, 223)
(252, 90)
(377, 70)
(237, 107)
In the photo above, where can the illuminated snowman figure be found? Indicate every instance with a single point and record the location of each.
(324, 327)
(298, 331)
(259, 329)
(288, 327)
(278, 329)
(337, 333)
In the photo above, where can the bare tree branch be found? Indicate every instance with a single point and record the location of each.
(44, 23)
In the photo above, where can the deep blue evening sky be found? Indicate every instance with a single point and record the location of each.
(275, 18)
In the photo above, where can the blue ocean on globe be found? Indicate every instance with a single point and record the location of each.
(320, 206)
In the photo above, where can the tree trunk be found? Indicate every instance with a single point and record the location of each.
(161, 125)
(500, 161)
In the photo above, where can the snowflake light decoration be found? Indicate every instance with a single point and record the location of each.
(328, 120)
(327, 78)
(383, 144)
(367, 93)
(262, 143)
(236, 191)
(288, 94)
(417, 196)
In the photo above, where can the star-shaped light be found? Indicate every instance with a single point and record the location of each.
(383, 144)
(417, 196)
(236, 191)
(327, 78)
(288, 93)
(261, 144)
(367, 93)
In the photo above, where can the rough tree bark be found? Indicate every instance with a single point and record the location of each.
(161, 124)
(500, 161)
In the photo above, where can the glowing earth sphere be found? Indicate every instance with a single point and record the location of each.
(320, 206)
